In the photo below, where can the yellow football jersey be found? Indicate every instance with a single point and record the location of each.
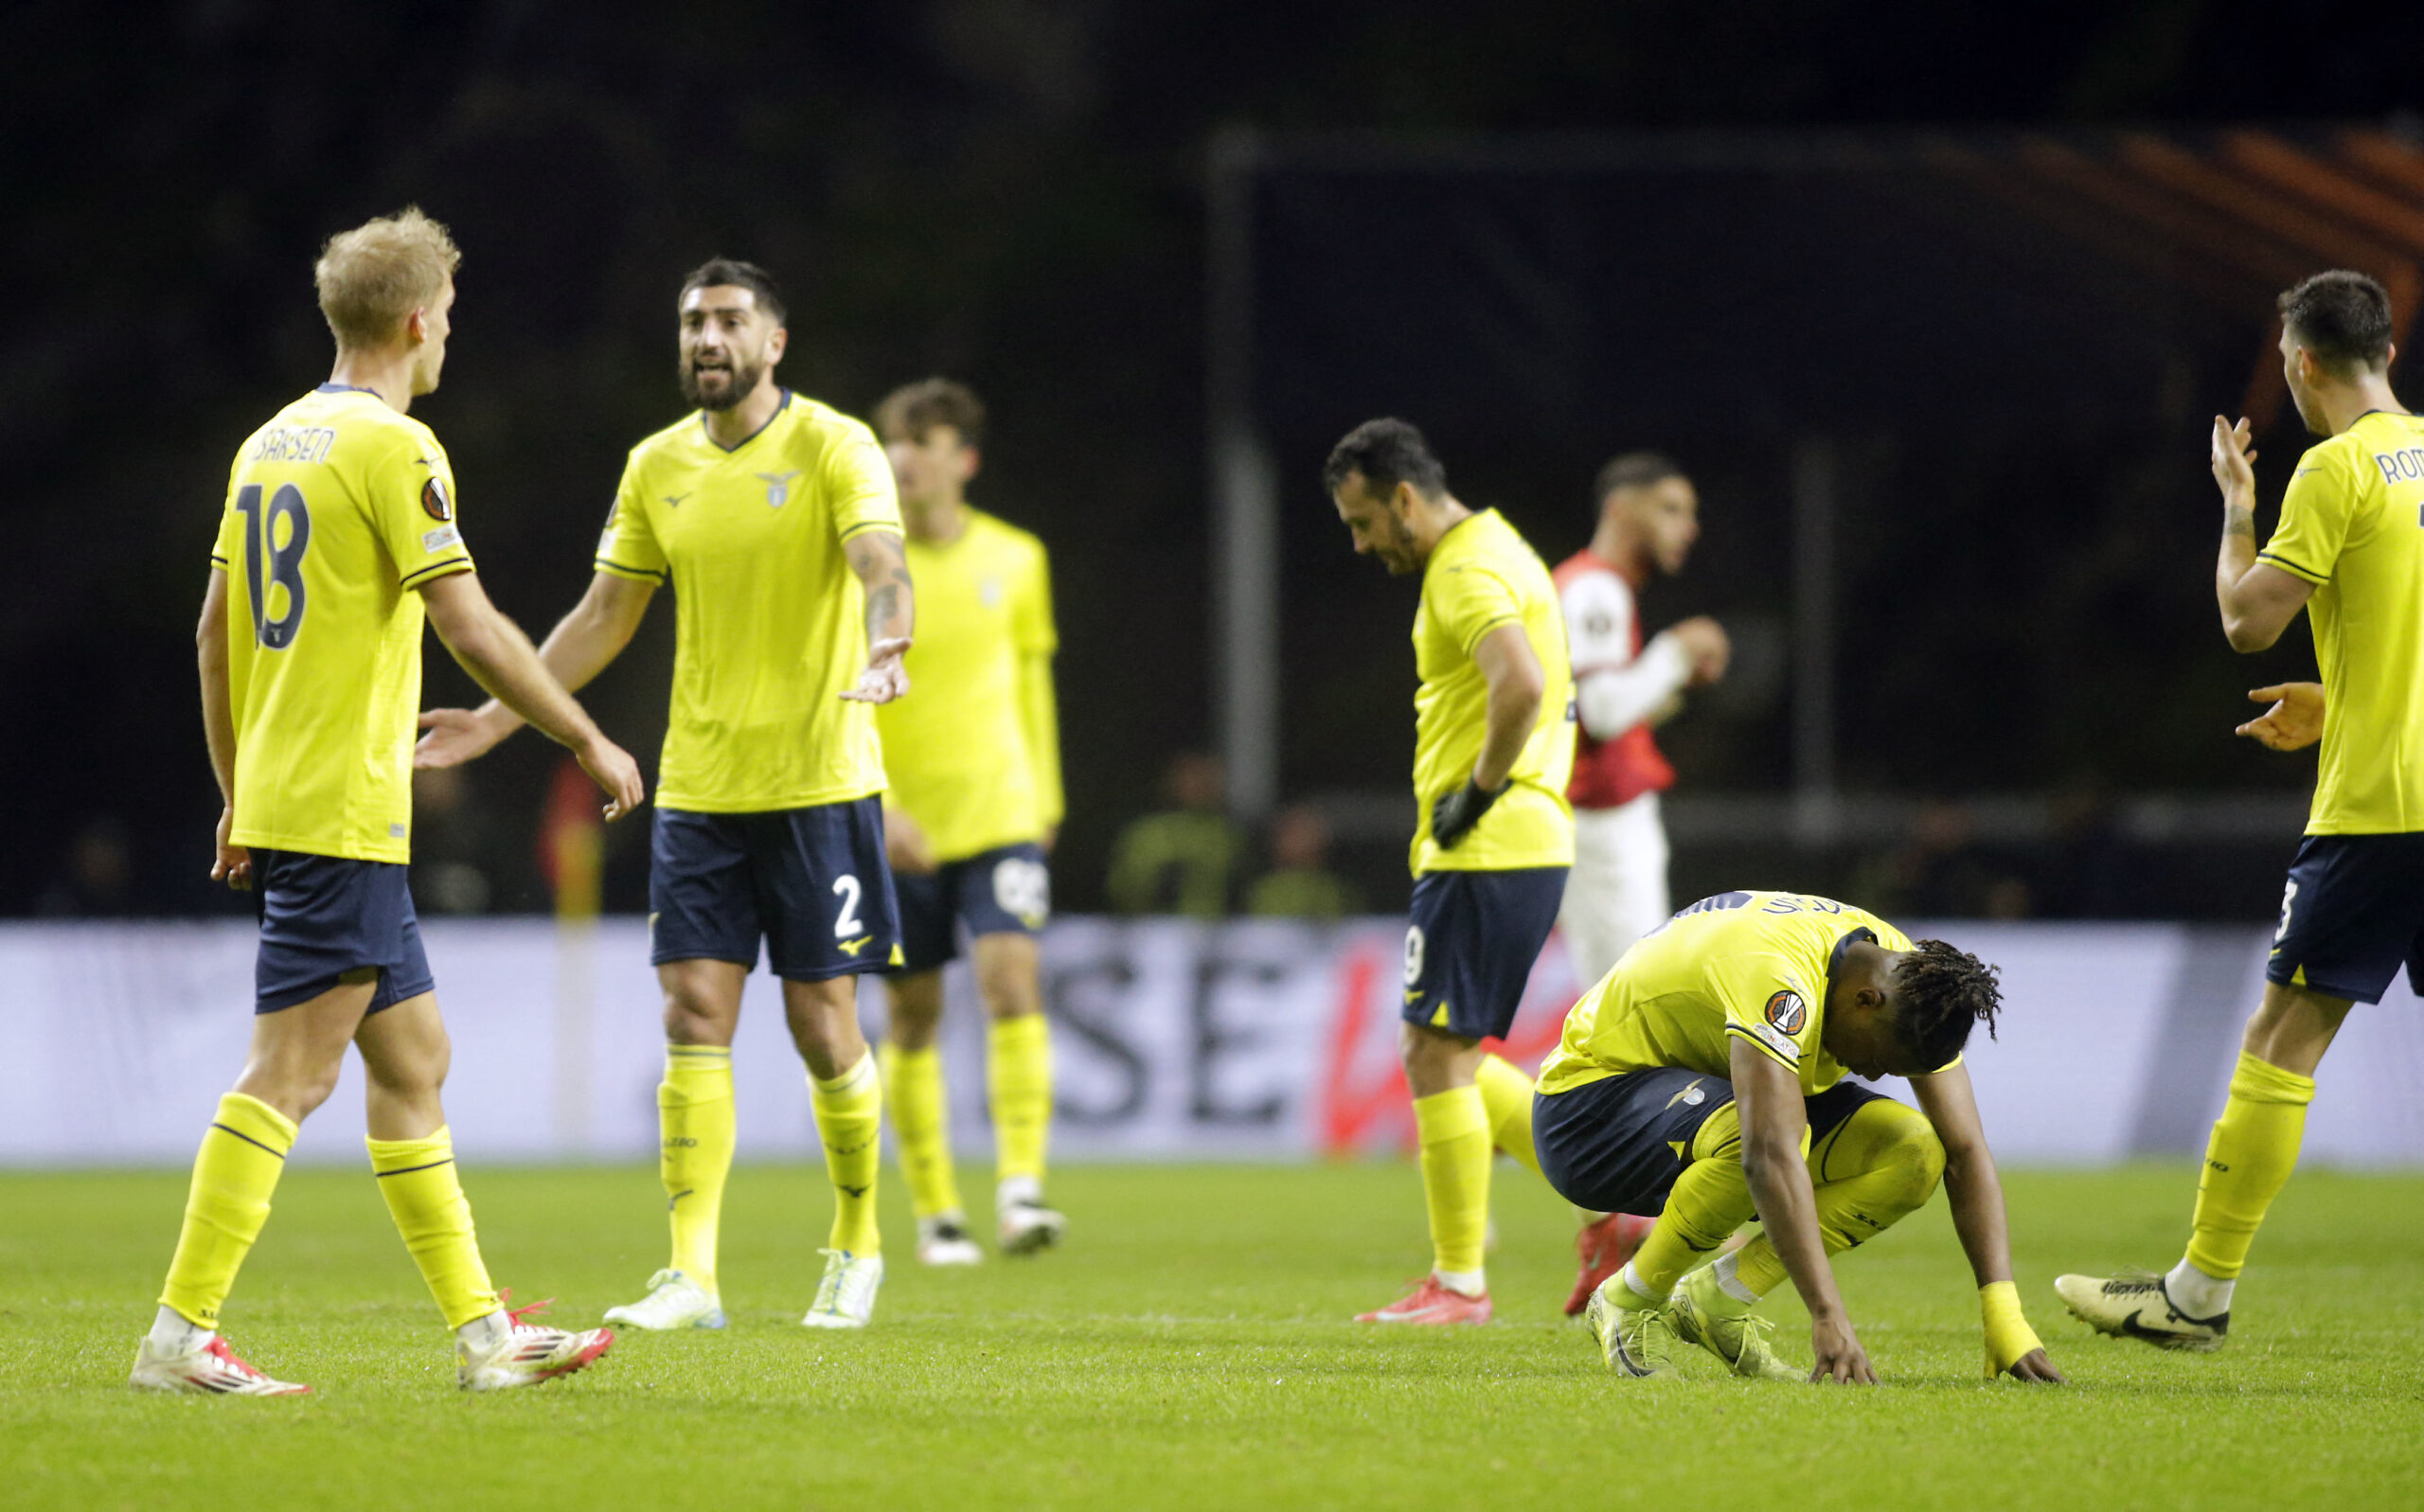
(770, 623)
(973, 752)
(2352, 523)
(1481, 576)
(1747, 966)
(338, 510)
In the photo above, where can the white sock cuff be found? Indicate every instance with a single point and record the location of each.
(1729, 1279)
(1464, 1282)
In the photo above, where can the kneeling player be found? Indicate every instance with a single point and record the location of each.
(1702, 1081)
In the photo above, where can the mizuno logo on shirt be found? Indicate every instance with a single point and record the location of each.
(852, 948)
(672, 501)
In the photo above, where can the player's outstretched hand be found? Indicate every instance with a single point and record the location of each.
(231, 864)
(2034, 1367)
(1839, 1355)
(2234, 458)
(612, 768)
(456, 736)
(2294, 722)
(1706, 644)
(886, 678)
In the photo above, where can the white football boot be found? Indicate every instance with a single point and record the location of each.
(846, 1298)
(945, 1240)
(673, 1301)
(524, 1354)
(209, 1369)
(1027, 1227)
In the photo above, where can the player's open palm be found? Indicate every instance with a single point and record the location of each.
(1839, 1355)
(2294, 720)
(886, 678)
(455, 737)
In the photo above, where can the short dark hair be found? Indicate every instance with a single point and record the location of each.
(912, 409)
(1634, 470)
(1944, 993)
(1387, 452)
(2343, 317)
(731, 272)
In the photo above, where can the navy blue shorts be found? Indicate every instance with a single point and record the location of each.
(811, 883)
(324, 918)
(1470, 944)
(1007, 890)
(1610, 1146)
(2352, 916)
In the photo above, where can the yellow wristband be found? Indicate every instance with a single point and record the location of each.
(2008, 1335)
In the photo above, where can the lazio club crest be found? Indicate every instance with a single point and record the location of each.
(779, 487)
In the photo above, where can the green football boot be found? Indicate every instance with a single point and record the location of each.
(1635, 1341)
(1722, 1325)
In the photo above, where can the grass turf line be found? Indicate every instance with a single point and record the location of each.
(1188, 1348)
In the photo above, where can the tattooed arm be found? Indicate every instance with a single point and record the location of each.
(2258, 599)
(882, 565)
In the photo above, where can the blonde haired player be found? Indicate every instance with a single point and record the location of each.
(339, 532)
(974, 761)
(2349, 551)
(773, 518)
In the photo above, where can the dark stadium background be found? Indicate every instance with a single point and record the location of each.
(1014, 192)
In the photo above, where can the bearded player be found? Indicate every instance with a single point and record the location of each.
(774, 518)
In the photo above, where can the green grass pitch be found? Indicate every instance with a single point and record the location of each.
(1189, 1348)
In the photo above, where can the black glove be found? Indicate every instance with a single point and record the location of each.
(1454, 816)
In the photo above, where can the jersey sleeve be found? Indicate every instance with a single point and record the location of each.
(412, 505)
(1033, 634)
(1471, 600)
(2314, 516)
(1599, 621)
(629, 548)
(1767, 1006)
(229, 541)
(858, 482)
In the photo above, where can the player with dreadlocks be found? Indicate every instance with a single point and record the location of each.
(1702, 1081)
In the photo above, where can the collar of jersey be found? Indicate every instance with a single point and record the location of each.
(735, 448)
(1835, 956)
(345, 389)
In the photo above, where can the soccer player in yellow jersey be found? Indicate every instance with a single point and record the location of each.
(1493, 749)
(1702, 1081)
(974, 761)
(2349, 550)
(339, 532)
(772, 519)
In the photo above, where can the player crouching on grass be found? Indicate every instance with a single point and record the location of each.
(1702, 1081)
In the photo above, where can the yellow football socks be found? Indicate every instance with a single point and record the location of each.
(913, 1097)
(242, 1153)
(1454, 1132)
(425, 1198)
(850, 1119)
(1709, 1201)
(2248, 1160)
(1018, 1079)
(695, 1129)
(1506, 1099)
(1873, 1170)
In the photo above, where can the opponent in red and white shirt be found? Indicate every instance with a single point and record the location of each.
(1649, 519)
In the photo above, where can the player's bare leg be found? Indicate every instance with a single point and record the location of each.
(1440, 1070)
(848, 1097)
(2248, 1160)
(916, 1099)
(1018, 1073)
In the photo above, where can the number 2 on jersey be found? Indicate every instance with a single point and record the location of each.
(284, 564)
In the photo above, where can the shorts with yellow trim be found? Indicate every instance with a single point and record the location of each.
(1617, 1144)
(811, 883)
(2351, 915)
(1470, 939)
